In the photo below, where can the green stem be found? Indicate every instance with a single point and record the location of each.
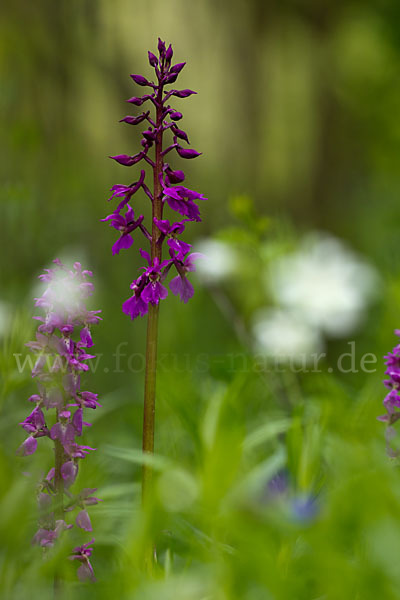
(149, 398)
(152, 329)
(58, 503)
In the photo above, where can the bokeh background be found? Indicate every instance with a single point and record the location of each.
(273, 479)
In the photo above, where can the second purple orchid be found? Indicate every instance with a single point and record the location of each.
(61, 348)
(391, 401)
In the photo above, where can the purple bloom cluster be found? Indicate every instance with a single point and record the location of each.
(149, 287)
(392, 399)
(61, 347)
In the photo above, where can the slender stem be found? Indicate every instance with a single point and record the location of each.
(58, 481)
(149, 397)
(152, 322)
(58, 503)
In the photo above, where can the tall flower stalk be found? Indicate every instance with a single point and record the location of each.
(167, 191)
(62, 340)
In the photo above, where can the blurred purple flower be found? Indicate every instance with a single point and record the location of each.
(83, 520)
(61, 341)
(304, 508)
(46, 537)
(279, 484)
(392, 399)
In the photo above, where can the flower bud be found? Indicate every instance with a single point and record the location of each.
(174, 176)
(34, 398)
(180, 133)
(127, 161)
(161, 47)
(153, 60)
(140, 80)
(183, 93)
(175, 115)
(187, 152)
(136, 101)
(171, 78)
(168, 54)
(150, 135)
(177, 68)
(134, 120)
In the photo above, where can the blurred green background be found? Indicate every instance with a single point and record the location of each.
(272, 482)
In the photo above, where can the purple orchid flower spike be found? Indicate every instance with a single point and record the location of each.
(167, 192)
(61, 344)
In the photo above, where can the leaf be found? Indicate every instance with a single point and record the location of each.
(266, 432)
(158, 462)
(211, 417)
(257, 478)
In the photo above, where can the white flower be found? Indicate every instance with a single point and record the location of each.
(282, 334)
(64, 292)
(325, 283)
(219, 260)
